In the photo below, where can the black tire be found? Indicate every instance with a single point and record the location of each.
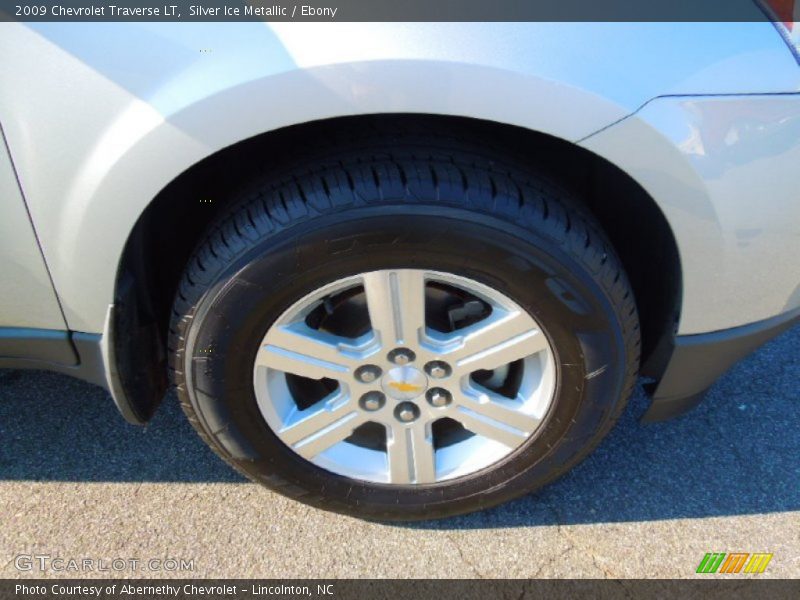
(404, 200)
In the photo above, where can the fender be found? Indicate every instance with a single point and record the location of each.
(716, 155)
(99, 124)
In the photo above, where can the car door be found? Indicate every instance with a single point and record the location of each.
(31, 322)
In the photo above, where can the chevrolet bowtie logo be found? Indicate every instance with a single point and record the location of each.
(401, 386)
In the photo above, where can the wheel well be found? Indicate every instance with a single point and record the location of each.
(169, 229)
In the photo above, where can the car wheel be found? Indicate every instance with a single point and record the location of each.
(404, 329)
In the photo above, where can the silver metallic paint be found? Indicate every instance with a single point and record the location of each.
(100, 119)
(725, 173)
(27, 298)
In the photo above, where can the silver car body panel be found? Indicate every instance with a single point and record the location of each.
(724, 171)
(102, 118)
(27, 298)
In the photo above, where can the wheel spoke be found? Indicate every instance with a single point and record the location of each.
(497, 341)
(491, 405)
(303, 351)
(396, 304)
(493, 416)
(320, 427)
(411, 455)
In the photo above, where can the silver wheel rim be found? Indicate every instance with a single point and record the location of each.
(433, 395)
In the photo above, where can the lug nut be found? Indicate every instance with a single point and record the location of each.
(368, 373)
(406, 412)
(372, 401)
(438, 369)
(401, 356)
(438, 397)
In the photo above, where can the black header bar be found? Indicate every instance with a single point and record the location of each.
(382, 10)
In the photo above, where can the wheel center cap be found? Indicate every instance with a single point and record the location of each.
(404, 383)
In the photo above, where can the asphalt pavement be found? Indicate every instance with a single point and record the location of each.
(77, 483)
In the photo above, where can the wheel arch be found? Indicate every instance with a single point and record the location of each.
(165, 234)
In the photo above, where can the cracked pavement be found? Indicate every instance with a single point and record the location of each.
(77, 482)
